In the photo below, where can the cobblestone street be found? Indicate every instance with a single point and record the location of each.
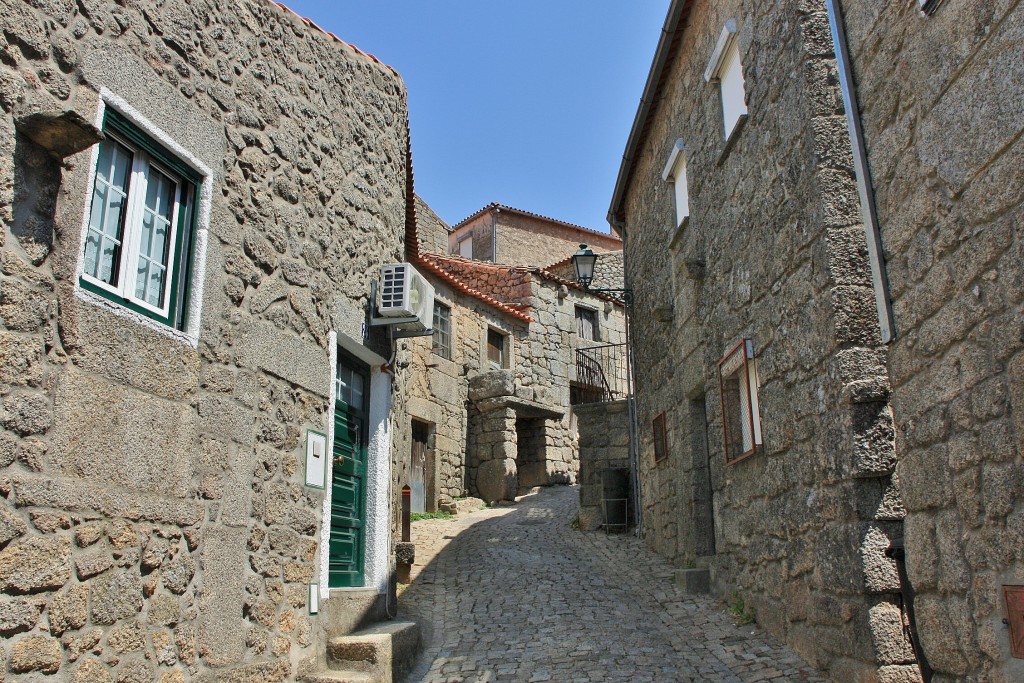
(517, 594)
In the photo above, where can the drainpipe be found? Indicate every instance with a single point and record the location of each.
(869, 213)
(634, 444)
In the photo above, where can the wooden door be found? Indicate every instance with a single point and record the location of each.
(348, 485)
(417, 475)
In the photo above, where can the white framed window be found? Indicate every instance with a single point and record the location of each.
(726, 68)
(139, 230)
(675, 173)
(466, 247)
(741, 408)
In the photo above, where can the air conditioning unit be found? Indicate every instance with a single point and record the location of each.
(404, 293)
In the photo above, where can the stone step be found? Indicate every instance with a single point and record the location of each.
(385, 651)
(338, 677)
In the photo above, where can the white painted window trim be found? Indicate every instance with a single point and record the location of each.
(724, 54)
(725, 40)
(200, 241)
(675, 171)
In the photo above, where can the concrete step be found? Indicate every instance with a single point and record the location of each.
(385, 651)
(337, 677)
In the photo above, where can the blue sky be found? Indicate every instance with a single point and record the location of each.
(527, 102)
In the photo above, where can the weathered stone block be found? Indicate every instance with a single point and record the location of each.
(115, 596)
(111, 431)
(11, 527)
(35, 564)
(492, 385)
(69, 609)
(36, 653)
(496, 480)
(17, 616)
(892, 646)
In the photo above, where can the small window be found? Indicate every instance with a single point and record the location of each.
(497, 349)
(660, 441)
(675, 173)
(741, 420)
(586, 323)
(442, 330)
(727, 69)
(138, 242)
(466, 247)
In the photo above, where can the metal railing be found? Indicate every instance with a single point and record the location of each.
(600, 374)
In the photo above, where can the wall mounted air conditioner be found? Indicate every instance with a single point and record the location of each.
(404, 293)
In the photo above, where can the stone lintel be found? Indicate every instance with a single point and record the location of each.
(61, 132)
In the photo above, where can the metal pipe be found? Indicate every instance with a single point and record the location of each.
(634, 438)
(869, 213)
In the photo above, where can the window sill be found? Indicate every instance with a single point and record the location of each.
(757, 450)
(140, 319)
(678, 232)
(741, 123)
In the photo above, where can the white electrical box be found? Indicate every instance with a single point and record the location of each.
(316, 459)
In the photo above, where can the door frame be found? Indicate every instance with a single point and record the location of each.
(377, 542)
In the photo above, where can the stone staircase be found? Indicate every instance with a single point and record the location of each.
(382, 653)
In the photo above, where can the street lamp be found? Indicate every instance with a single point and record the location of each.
(585, 261)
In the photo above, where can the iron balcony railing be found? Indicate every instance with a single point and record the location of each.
(601, 374)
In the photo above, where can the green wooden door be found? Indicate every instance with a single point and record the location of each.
(348, 498)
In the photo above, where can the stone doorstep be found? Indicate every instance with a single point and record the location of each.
(385, 652)
(694, 581)
(338, 677)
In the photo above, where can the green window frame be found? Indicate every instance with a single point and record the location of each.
(138, 245)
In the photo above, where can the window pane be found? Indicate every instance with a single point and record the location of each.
(496, 349)
(154, 239)
(350, 387)
(733, 104)
(106, 216)
(442, 342)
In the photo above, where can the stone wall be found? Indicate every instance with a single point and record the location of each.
(513, 237)
(939, 97)
(477, 408)
(604, 445)
(773, 251)
(537, 241)
(153, 522)
(431, 229)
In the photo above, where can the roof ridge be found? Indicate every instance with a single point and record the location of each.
(499, 205)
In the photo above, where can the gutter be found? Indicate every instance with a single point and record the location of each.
(647, 100)
(865, 188)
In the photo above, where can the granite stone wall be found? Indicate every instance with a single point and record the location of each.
(773, 251)
(939, 98)
(476, 408)
(153, 519)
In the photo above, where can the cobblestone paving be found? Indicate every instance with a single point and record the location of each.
(516, 594)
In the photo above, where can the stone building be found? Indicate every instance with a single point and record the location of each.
(199, 434)
(939, 96)
(766, 434)
(491, 400)
(503, 234)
